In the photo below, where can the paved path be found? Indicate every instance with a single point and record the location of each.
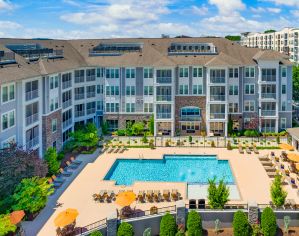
(33, 227)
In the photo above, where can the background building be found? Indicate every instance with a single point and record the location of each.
(191, 85)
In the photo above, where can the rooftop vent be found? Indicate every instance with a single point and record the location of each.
(7, 58)
(33, 52)
(115, 49)
(191, 49)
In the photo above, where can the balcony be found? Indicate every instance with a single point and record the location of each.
(79, 113)
(217, 115)
(268, 95)
(91, 95)
(163, 98)
(90, 111)
(66, 104)
(79, 96)
(190, 118)
(268, 78)
(67, 123)
(217, 80)
(268, 113)
(79, 79)
(66, 84)
(31, 95)
(164, 80)
(31, 119)
(32, 143)
(90, 78)
(217, 98)
(163, 115)
(268, 129)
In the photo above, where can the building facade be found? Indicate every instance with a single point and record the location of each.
(192, 86)
(284, 41)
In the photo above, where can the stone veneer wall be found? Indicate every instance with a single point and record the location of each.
(47, 135)
(122, 118)
(238, 117)
(185, 101)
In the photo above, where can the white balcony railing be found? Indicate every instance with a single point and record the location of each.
(161, 98)
(217, 97)
(163, 115)
(32, 143)
(90, 111)
(67, 123)
(31, 95)
(217, 115)
(79, 113)
(91, 95)
(31, 119)
(66, 84)
(164, 80)
(268, 95)
(79, 96)
(67, 104)
(268, 113)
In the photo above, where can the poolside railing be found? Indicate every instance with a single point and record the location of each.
(207, 207)
(85, 230)
(285, 207)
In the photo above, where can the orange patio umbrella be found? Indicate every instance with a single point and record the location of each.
(297, 166)
(125, 198)
(286, 146)
(66, 217)
(16, 217)
(293, 157)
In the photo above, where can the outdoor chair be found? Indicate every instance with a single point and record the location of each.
(71, 165)
(149, 196)
(255, 150)
(166, 195)
(65, 172)
(55, 185)
(192, 204)
(174, 194)
(57, 179)
(241, 151)
(157, 196)
(140, 197)
(201, 204)
(75, 161)
(248, 150)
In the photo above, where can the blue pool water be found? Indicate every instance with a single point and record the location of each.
(172, 168)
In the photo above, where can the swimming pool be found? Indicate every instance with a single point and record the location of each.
(172, 168)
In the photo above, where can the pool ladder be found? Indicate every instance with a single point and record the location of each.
(141, 156)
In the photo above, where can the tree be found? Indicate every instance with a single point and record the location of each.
(152, 125)
(218, 196)
(86, 136)
(268, 222)
(296, 83)
(17, 164)
(31, 195)
(278, 195)
(105, 127)
(230, 126)
(168, 225)
(51, 159)
(241, 225)
(138, 128)
(144, 138)
(194, 224)
(269, 31)
(233, 37)
(6, 226)
(125, 229)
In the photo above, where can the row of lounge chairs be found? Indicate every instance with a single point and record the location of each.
(57, 181)
(119, 149)
(248, 149)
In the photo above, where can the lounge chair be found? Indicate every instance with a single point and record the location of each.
(157, 196)
(149, 196)
(96, 197)
(248, 150)
(71, 165)
(109, 197)
(55, 185)
(241, 151)
(293, 183)
(75, 161)
(140, 197)
(57, 179)
(277, 159)
(255, 150)
(174, 194)
(192, 204)
(65, 172)
(166, 195)
(287, 172)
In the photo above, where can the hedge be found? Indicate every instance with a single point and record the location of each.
(268, 222)
(168, 225)
(240, 224)
(194, 224)
(125, 229)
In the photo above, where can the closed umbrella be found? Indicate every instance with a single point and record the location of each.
(16, 217)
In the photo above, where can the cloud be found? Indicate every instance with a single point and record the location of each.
(6, 5)
(295, 13)
(274, 10)
(71, 2)
(201, 11)
(9, 25)
(284, 2)
(227, 7)
(257, 10)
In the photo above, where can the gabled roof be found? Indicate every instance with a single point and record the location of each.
(223, 60)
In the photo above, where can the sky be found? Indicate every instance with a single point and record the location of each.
(72, 19)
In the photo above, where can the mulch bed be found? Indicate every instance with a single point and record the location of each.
(293, 231)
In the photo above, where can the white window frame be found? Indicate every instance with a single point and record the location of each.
(148, 72)
(197, 68)
(8, 118)
(8, 140)
(146, 107)
(250, 68)
(184, 86)
(130, 73)
(233, 68)
(184, 70)
(250, 85)
(282, 68)
(54, 124)
(233, 107)
(233, 86)
(283, 102)
(285, 89)
(249, 101)
(197, 89)
(8, 92)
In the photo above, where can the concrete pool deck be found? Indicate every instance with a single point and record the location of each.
(250, 176)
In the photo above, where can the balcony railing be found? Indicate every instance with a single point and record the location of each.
(31, 119)
(90, 78)
(163, 115)
(79, 113)
(32, 143)
(66, 84)
(90, 111)
(268, 78)
(79, 96)
(79, 79)
(31, 95)
(269, 95)
(91, 95)
(191, 118)
(161, 98)
(268, 113)
(67, 123)
(217, 98)
(268, 129)
(217, 116)
(217, 80)
(67, 103)
(164, 80)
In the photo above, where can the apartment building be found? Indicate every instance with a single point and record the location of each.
(284, 41)
(191, 85)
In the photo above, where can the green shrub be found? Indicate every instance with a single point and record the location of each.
(125, 229)
(121, 132)
(190, 139)
(96, 233)
(144, 138)
(180, 233)
(218, 196)
(6, 226)
(151, 144)
(194, 224)
(268, 222)
(240, 224)
(168, 225)
(278, 195)
(213, 144)
(229, 146)
(51, 159)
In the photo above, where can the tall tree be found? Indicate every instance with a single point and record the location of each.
(296, 83)
(51, 159)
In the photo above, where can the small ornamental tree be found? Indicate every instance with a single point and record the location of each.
(86, 136)
(194, 224)
(278, 195)
(51, 159)
(241, 225)
(138, 128)
(218, 196)
(152, 125)
(6, 226)
(125, 229)
(31, 195)
(268, 222)
(168, 225)
(96, 233)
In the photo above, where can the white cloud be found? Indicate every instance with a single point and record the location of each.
(227, 7)
(71, 2)
(9, 25)
(6, 5)
(274, 10)
(284, 2)
(201, 11)
(257, 10)
(295, 13)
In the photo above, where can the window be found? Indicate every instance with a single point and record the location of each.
(148, 107)
(233, 107)
(269, 75)
(31, 113)
(100, 72)
(112, 73)
(233, 90)
(184, 72)
(148, 73)
(283, 123)
(283, 89)
(79, 93)
(112, 107)
(8, 142)
(217, 76)
(53, 104)
(190, 113)
(130, 90)
(79, 76)
(100, 105)
(249, 72)
(197, 72)
(54, 125)
(130, 107)
(112, 90)
(283, 105)
(54, 82)
(249, 106)
(54, 144)
(8, 120)
(184, 89)
(100, 89)
(8, 93)
(130, 73)
(197, 89)
(91, 91)
(90, 75)
(247, 122)
(233, 72)
(283, 72)
(148, 90)
(249, 89)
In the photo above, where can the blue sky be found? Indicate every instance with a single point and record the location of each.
(142, 18)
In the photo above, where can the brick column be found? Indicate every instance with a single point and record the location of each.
(112, 223)
(253, 212)
(180, 213)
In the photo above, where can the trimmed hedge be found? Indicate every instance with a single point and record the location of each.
(194, 224)
(168, 225)
(241, 225)
(268, 222)
(125, 229)
(96, 233)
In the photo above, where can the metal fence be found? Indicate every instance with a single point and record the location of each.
(91, 227)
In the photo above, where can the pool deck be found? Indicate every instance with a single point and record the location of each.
(251, 178)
